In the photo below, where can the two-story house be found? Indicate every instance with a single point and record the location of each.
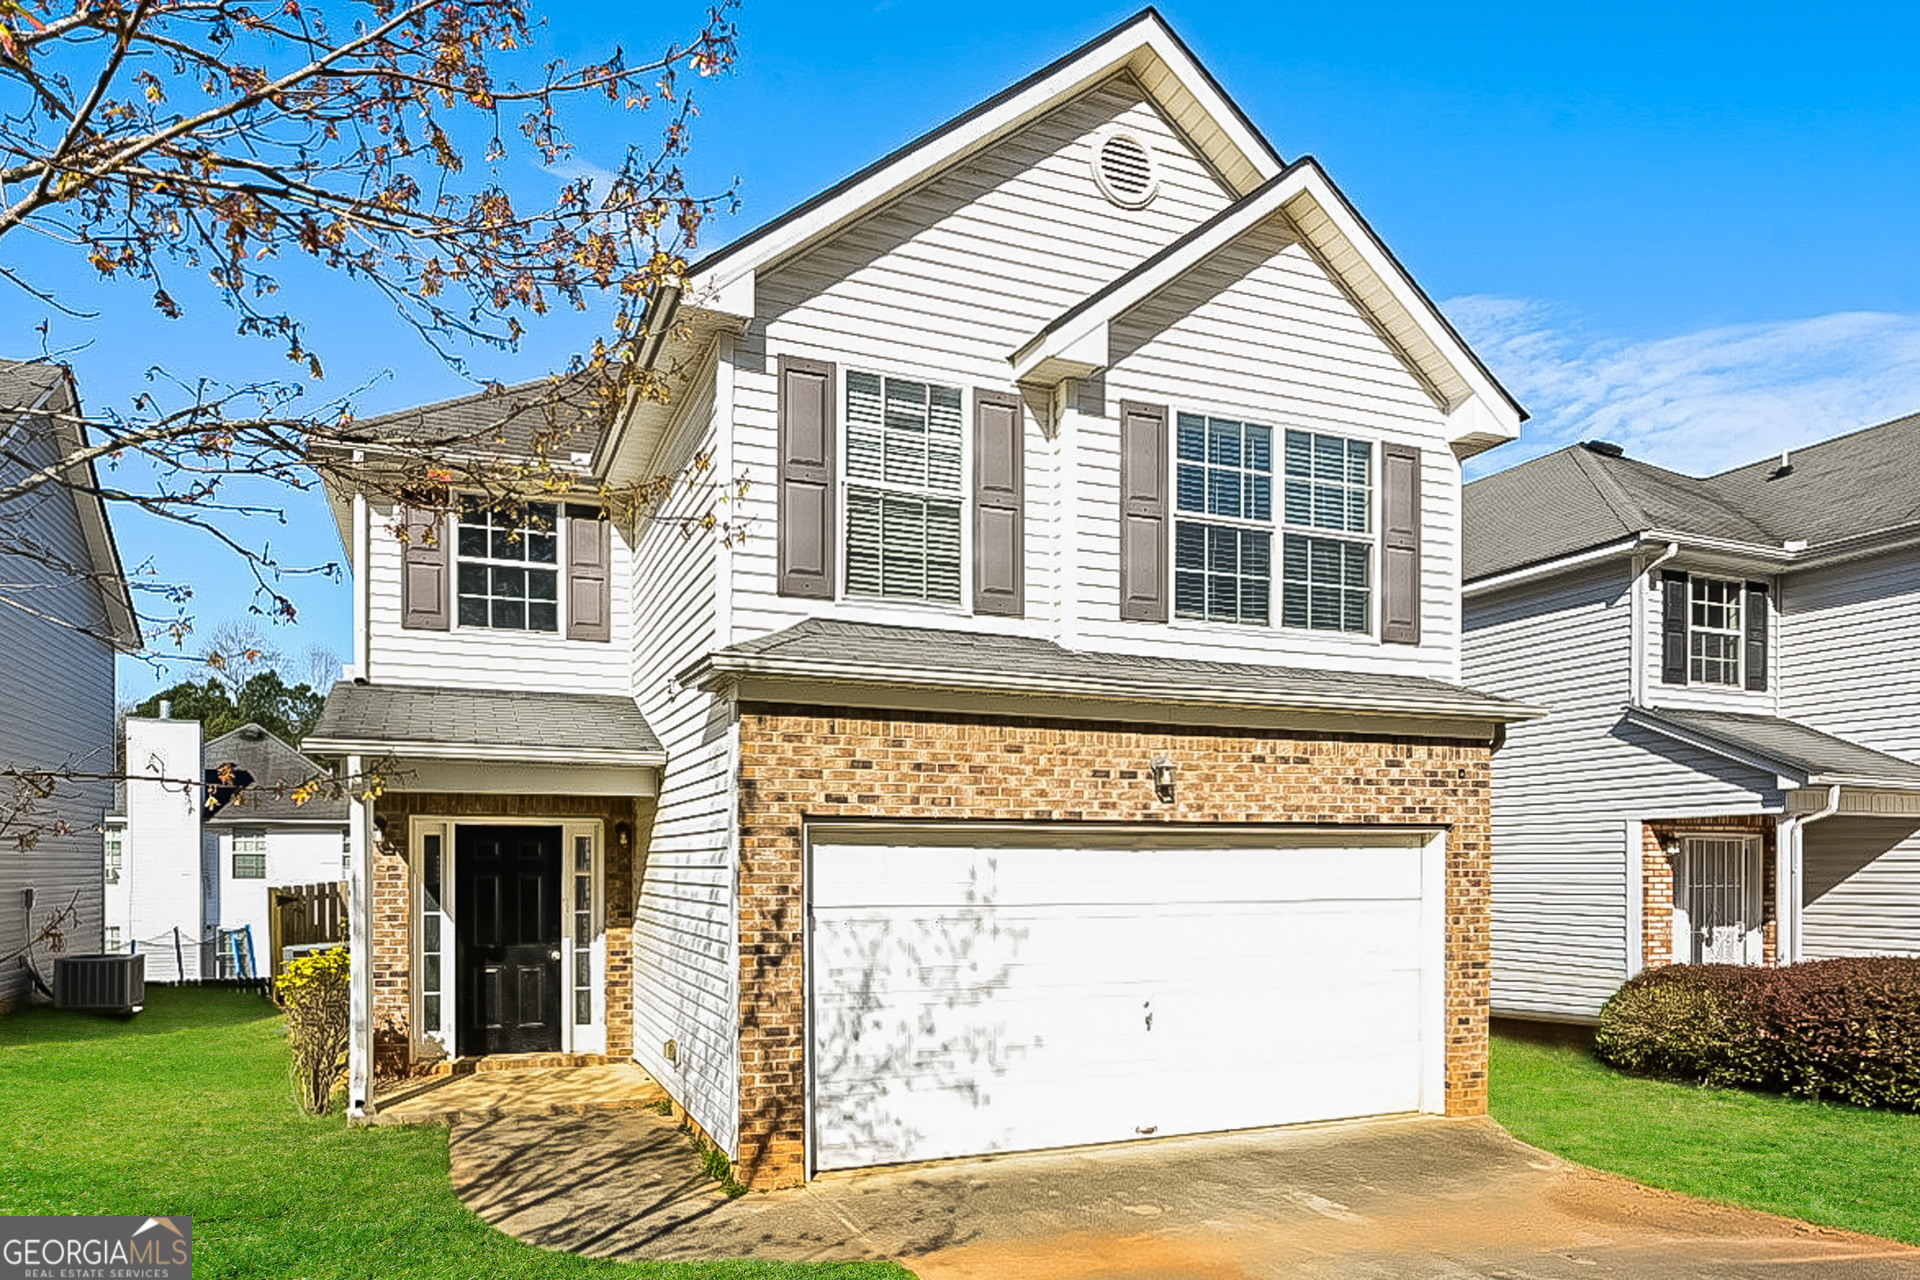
(1073, 750)
(64, 613)
(1729, 771)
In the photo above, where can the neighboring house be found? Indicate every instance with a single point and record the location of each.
(204, 836)
(1074, 748)
(64, 613)
(1731, 770)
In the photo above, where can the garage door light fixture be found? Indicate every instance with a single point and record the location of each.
(1162, 770)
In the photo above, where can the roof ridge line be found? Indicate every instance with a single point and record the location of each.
(1611, 492)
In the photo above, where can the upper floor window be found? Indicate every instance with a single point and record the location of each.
(1223, 538)
(249, 855)
(903, 477)
(1714, 632)
(116, 853)
(509, 574)
(1327, 575)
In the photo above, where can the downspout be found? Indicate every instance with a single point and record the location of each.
(1790, 873)
(1637, 684)
(362, 586)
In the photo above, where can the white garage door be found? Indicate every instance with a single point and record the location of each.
(997, 993)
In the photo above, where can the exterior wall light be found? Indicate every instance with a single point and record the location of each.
(1162, 769)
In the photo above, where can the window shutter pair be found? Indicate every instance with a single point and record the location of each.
(1675, 601)
(426, 573)
(807, 511)
(1145, 473)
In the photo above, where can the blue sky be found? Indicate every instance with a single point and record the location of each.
(1690, 231)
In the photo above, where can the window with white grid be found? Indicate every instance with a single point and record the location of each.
(1223, 529)
(116, 854)
(1713, 632)
(902, 465)
(509, 566)
(249, 855)
(1326, 570)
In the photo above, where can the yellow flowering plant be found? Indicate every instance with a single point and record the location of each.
(313, 993)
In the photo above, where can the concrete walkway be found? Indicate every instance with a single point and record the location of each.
(1417, 1197)
(524, 1093)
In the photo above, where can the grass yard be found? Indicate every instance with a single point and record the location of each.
(189, 1109)
(1837, 1165)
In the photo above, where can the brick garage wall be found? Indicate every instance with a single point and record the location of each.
(801, 764)
(392, 942)
(1659, 879)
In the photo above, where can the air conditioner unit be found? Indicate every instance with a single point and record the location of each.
(100, 984)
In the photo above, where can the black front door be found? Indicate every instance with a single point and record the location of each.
(507, 931)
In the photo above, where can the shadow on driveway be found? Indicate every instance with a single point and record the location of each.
(1417, 1197)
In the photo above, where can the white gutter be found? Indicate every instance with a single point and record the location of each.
(1789, 880)
(1549, 568)
(508, 752)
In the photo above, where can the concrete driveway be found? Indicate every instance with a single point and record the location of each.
(1415, 1197)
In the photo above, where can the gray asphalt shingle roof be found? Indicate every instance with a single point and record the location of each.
(400, 716)
(23, 382)
(505, 423)
(268, 770)
(1576, 499)
(829, 649)
(1792, 747)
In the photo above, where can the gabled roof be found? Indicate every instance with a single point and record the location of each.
(1851, 487)
(484, 724)
(873, 654)
(28, 387)
(1143, 45)
(1786, 748)
(1075, 344)
(264, 771)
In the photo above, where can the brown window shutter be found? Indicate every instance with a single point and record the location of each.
(1144, 478)
(806, 478)
(1674, 600)
(1756, 624)
(426, 573)
(589, 541)
(999, 506)
(1399, 544)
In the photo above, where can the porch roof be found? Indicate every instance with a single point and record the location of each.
(1785, 748)
(441, 723)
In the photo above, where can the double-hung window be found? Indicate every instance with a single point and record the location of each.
(1714, 632)
(249, 855)
(116, 853)
(1326, 577)
(509, 566)
(1223, 529)
(903, 477)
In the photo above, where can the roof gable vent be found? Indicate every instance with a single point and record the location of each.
(1125, 168)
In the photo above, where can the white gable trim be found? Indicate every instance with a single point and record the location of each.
(1143, 45)
(1076, 345)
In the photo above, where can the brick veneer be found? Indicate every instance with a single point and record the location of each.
(801, 764)
(1657, 879)
(392, 940)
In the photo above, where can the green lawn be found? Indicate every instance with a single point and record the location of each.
(1837, 1165)
(189, 1109)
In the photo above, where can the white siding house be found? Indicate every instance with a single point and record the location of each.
(1731, 769)
(59, 630)
(1090, 480)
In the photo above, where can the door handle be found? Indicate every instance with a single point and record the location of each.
(554, 954)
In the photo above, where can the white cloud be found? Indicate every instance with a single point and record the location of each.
(1695, 402)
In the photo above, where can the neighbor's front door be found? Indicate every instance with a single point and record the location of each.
(1722, 898)
(508, 931)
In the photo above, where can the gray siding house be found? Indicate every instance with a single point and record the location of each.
(64, 612)
(1729, 770)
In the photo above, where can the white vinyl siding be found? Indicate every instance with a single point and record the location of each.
(902, 451)
(66, 677)
(684, 958)
(1862, 888)
(1848, 649)
(483, 657)
(1565, 786)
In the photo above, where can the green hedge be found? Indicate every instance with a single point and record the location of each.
(1842, 1029)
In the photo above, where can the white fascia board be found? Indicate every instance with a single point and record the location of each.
(1549, 568)
(484, 751)
(718, 670)
(116, 598)
(1145, 47)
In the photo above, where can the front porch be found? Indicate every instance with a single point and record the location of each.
(512, 1087)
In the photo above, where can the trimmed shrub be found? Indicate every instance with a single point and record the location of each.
(314, 993)
(1842, 1029)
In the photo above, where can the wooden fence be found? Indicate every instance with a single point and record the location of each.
(304, 914)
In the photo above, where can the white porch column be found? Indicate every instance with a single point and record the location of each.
(1636, 898)
(360, 953)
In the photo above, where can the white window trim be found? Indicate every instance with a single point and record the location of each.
(1176, 516)
(559, 567)
(575, 1037)
(1739, 632)
(961, 608)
